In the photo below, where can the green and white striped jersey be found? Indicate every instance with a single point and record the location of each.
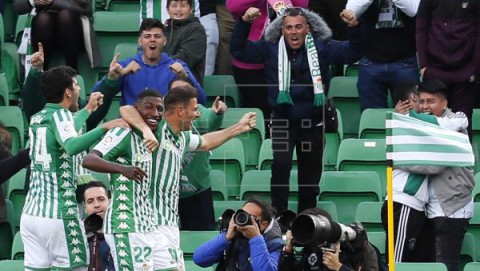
(52, 180)
(167, 167)
(131, 208)
(158, 9)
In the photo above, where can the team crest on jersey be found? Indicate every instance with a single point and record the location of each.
(108, 140)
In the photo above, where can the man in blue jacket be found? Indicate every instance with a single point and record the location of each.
(253, 247)
(149, 68)
(296, 52)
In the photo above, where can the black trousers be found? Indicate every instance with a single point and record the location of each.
(449, 234)
(196, 212)
(309, 143)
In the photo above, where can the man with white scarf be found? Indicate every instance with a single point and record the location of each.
(297, 51)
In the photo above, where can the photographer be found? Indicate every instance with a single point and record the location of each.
(327, 245)
(253, 241)
(96, 199)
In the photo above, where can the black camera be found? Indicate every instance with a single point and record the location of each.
(318, 229)
(242, 218)
(93, 224)
(224, 220)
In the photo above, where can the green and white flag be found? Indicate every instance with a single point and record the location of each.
(415, 142)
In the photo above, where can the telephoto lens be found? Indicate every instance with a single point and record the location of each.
(242, 218)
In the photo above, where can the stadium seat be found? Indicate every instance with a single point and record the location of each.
(16, 193)
(126, 50)
(377, 239)
(18, 251)
(332, 142)
(343, 92)
(369, 213)
(474, 266)
(265, 156)
(230, 158)
(9, 20)
(325, 205)
(257, 182)
(351, 70)
(476, 188)
(420, 267)
(191, 266)
(469, 253)
(220, 206)
(363, 155)
(190, 240)
(219, 185)
(10, 65)
(223, 86)
(113, 28)
(12, 265)
(474, 227)
(4, 93)
(123, 5)
(348, 189)
(81, 84)
(372, 123)
(252, 140)
(12, 117)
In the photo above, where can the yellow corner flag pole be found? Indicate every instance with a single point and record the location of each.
(391, 252)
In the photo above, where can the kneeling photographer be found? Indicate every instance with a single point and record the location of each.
(252, 241)
(327, 245)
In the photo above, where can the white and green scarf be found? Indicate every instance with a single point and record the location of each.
(284, 72)
(25, 50)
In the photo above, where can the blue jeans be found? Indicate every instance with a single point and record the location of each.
(375, 79)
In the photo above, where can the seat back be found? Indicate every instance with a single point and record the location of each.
(190, 240)
(378, 239)
(369, 213)
(18, 251)
(12, 265)
(372, 123)
(4, 96)
(17, 195)
(343, 92)
(364, 155)
(474, 266)
(221, 206)
(265, 156)
(252, 140)
(230, 158)
(474, 227)
(12, 117)
(348, 189)
(223, 86)
(219, 185)
(257, 182)
(332, 142)
(420, 267)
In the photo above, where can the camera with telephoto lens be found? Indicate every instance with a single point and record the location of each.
(242, 218)
(319, 230)
(224, 220)
(93, 224)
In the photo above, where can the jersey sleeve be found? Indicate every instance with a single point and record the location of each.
(63, 126)
(114, 143)
(193, 141)
(454, 122)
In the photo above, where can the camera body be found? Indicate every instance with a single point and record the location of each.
(93, 224)
(242, 218)
(319, 230)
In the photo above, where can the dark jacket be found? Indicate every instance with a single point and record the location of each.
(301, 89)
(100, 258)
(187, 41)
(448, 39)
(260, 253)
(81, 7)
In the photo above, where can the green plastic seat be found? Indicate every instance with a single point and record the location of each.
(257, 182)
(369, 213)
(474, 227)
(126, 50)
(469, 251)
(10, 65)
(265, 156)
(220, 206)
(473, 266)
(364, 155)
(252, 140)
(12, 265)
(328, 206)
(352, 70)
(372, 123)
(12, 117)
(348, 189)
(190, 240)
(113, 28)
(476, 137)
(223, 86)
(230, 158)
(16, 193)
(343, 92)
(18, 251)
(476, 188)
(378, 240)
(123, 6)
(6, 244)
(332, 142)
(420, 267)
(219, 185)
(4, 93)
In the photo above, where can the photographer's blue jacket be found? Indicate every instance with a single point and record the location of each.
(260, 253)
